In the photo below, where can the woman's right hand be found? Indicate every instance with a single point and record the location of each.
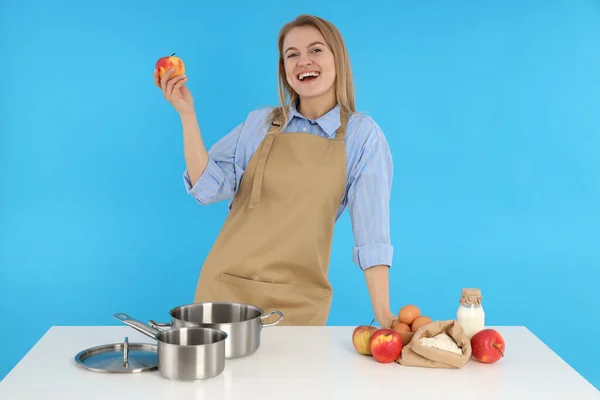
(175, 92)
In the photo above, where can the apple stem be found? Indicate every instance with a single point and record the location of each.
(172, 54)
(372, 322)
(498, 348)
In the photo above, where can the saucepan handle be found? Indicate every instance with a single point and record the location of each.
(263, 325)
(137, 325)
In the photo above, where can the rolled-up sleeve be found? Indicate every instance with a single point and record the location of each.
(369, 202)
(218, 181)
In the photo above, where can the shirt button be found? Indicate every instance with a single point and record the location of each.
(304, 129)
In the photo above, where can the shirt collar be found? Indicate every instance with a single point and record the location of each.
(328, 122)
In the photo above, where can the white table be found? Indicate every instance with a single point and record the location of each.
(293, 363)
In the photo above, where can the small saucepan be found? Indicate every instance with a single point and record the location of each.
(241, 322)
(185, 354)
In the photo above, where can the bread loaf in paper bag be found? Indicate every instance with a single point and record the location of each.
(440, 344)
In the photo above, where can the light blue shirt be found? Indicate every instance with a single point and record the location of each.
(368, 181)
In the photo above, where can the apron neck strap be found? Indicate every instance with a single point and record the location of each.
(340, 133)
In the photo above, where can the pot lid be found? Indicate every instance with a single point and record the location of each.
(119, 357)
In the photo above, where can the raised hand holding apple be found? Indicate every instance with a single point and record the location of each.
(169, 76)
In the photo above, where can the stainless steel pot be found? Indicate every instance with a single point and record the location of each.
(185, 354)
(242, 323)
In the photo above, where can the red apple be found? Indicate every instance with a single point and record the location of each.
(487, 346)
(166, 63)
(386, 345)
(361, 338)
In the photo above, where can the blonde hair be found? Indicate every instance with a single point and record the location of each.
(344, 87)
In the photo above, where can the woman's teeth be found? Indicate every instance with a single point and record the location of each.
(310, 75)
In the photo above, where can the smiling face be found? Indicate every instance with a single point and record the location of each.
(309, 63)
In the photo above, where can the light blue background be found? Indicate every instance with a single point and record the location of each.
(491, 109)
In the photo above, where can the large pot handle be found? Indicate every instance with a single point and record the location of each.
(158, 325)
(263, 325)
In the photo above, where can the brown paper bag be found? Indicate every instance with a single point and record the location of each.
(416, 354)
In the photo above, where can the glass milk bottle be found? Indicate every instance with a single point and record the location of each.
(470, 313)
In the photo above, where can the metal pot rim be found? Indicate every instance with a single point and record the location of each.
(227, 303)
(260, 311)
(259, 318)
(160, 337)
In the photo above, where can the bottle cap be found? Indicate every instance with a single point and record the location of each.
(470, 296)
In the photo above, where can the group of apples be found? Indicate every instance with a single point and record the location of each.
(385, 344)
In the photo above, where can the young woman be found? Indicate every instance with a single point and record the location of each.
(289, 172)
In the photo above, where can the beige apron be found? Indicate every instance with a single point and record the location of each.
(274, 248)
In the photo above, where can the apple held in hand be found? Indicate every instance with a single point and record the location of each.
(386, 345)
(487, 346)
(166, 63)
(361, 338)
